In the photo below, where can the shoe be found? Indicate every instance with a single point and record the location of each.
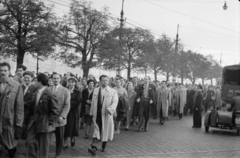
(72, 142)
(126, 129)
(65, 147)
(92, 150)
(145, 130)
(86, 136)
(104, 145)
(12, 152)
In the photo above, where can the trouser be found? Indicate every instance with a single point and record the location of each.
(95, 141)
(59, 133)
(144, 112)
(38, 143)
(162, 119)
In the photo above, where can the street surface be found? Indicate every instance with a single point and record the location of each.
(175, 139)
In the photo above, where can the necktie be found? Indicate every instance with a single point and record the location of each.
(54, 89)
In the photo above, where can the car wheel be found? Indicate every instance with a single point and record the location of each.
(206, 128)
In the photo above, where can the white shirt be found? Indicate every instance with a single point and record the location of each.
(39, 93)
(103, 93)
(26, 88)
(55, 88)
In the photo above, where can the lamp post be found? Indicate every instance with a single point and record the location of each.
(176, 51)
(225, 6)
(120, 40)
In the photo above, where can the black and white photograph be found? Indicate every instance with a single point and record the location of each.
(119, 78)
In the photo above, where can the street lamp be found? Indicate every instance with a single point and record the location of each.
(225, 6)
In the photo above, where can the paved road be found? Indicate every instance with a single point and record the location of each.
(174, 139)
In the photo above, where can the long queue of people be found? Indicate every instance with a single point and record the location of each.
(33, 108)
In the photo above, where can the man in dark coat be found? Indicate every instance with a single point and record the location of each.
(197, 109)
(43, 112)
(146, 98)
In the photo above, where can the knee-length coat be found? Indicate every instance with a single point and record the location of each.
(182, 99)
(163, 101)
(11, 112)
(72, 126)
(110, 102)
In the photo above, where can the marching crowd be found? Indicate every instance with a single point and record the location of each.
(33, 107)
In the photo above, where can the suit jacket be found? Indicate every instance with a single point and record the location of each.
(11, 106)
(151, 92)
(28, 96)
(63, 98)
(43, 115)
(85, 106)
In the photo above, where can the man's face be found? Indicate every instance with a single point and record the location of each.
(27, 79)
(146, 80)
(20, 72)
(118, 82)
(135, 80)
(68, 75)
(104, 81)
(50, 82)
(56, 79)
(164, 84)
(4, 72)
(84, 82)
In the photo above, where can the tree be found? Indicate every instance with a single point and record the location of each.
(182, 62)
(214, 70)
(26, 27)
(198, 64)
(133, 40)
(80, 35)
(166, 47)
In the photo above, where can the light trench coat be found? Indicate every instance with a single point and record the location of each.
(11, 112)
(110, 102)
(183, 99)
(163, 101)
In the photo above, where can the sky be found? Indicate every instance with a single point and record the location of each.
(204, 26)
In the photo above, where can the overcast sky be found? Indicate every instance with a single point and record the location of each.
(204, 26)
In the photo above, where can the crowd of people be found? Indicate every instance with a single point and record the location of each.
(33, 107)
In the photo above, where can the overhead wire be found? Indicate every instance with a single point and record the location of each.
(154, 32)
(190, 16)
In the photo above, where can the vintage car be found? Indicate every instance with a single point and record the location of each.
(223, 117)
(223, 120)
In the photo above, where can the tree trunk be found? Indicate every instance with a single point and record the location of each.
(85, 65)
(20, 57)
(129, 68)
(155, 74)
(167, 76)
(129, 72)
(182, 79)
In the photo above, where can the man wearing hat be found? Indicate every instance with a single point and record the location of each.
(19, 73)
(28, 90)
(197, 109)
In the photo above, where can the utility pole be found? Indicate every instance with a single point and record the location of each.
(221, 60)
(176, 51)
(37, 63)
(120, 41)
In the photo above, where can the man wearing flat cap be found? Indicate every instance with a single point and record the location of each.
(19, 73)
(28, 90)
(197, 108)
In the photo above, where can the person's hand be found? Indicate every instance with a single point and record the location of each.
(60, 119)
(89, 101)
(151, 101)
(138, 100)
(108, 112)
(196, 108)
(18, 132)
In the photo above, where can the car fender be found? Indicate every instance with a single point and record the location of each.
(207, 118)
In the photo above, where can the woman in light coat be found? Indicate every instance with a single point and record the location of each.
(131, 96)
